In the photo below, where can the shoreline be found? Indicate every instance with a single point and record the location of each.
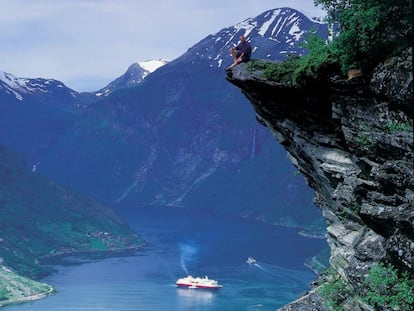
(59, 256)
(37, 296)
(301, 230)
(42, 259)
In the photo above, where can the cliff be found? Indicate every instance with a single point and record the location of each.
(353, 142)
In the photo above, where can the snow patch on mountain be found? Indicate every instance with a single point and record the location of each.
(11, 84)
(248, 25)
(36, 89)
(151, 65)
(266, 25)
(273, 35)
(19, 86)
(11, 80)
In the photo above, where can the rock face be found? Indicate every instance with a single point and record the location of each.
(353, 142)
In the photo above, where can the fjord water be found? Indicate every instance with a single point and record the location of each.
(181, 242)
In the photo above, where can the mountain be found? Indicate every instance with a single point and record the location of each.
(133, 76)
(185, 137)
(34, 113)
(46, 91)
(41, 219)
(274, 35)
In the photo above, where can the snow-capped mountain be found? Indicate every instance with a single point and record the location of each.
(42, 90)
(38, 89)
(35, 112)
(273, 34)
(133, 76)
(186, 137)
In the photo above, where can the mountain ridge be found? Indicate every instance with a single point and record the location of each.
(35, 89)
(184, 132)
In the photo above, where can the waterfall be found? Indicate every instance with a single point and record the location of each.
(253, 150)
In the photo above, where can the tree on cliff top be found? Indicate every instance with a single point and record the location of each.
(367, 31)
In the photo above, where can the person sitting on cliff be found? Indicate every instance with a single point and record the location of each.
(240, 53)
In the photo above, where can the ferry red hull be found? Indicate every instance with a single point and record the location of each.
(198, 286)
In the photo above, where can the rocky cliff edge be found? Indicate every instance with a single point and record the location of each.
(353, 142)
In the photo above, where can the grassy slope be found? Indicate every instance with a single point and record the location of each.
(16, 288)
(39, 218)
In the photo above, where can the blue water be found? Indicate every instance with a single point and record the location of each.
(181, 242)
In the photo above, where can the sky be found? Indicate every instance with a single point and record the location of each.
(88, 43)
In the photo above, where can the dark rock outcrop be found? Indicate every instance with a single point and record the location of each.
(353, 142)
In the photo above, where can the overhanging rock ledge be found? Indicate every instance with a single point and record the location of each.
(352, 140)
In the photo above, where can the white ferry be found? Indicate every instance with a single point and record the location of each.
(197, 282)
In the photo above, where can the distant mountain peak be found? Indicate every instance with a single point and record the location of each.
(23, 87)
(11, 84)
(273, 35)
(133, 76)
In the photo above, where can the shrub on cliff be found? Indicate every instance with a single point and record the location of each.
(386, 288)
(367, 31)
(364, 33)
(334, 291)
(321, 61)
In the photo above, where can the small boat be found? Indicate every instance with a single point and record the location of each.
(197, 282)
(251, 260)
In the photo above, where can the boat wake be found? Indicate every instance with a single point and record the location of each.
(278, 272)
(260, 267)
